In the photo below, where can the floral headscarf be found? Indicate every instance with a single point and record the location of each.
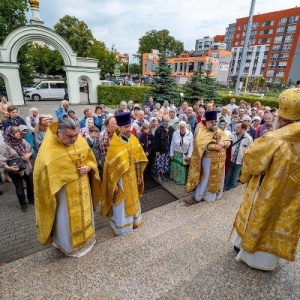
(17, 144)
(33, 120)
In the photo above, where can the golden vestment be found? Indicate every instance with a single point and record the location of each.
(55, 167)
(203, 138)
(268, 219)
(120, 162)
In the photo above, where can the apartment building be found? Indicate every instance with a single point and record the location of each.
(274, 47)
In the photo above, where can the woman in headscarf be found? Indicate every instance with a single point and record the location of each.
(222, 124)
(163, 138)
(33, 119)
(89, 122)
(15, 147)
(180, 153)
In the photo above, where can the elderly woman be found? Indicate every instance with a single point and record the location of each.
(262, 129)
(14, 158)
(162, 143)
(180, 153)
(156, 111)
(173, 118)
(33, 118)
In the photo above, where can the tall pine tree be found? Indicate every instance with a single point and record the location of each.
(163, 85)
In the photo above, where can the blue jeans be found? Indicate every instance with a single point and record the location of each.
(232, 176)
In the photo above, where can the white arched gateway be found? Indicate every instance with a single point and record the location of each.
(75, 67)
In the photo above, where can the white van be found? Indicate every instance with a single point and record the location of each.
(48, 90)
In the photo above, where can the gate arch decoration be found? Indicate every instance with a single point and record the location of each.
(74, 66)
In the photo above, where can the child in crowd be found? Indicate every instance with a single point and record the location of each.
(93, 142)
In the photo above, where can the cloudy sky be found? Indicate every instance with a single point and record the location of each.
(122, 22)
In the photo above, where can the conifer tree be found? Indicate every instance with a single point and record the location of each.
(202, 86)
(163, 85)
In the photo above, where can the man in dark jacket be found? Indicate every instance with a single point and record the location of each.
(13, 119)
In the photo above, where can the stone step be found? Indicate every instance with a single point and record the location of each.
(182, 251)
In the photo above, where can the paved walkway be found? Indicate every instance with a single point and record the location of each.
(181, 252)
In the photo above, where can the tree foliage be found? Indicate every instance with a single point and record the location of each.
(200, 87)
(76, 33)
(160, 40)
(12, 16)
(26, 69)
(163, 85)
(106, 58)
(45, 60)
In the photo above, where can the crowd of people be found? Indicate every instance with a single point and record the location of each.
(201, 147)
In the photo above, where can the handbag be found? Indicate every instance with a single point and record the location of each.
(185, 162)
(19, 162)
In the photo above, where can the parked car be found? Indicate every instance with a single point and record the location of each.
(130, 83)
(107, 82)
(29, 88)
(48, 90)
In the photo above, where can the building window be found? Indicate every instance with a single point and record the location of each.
(287, 47)
(291, 28)
(278, 39)
(280, 30)
(282, 21)
(293, 19)
(284, 56)
(276, 48)
(288, 38)
(237, 36)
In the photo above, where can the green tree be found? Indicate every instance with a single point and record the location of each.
(26, 69)
(163, 85)
(12, 16)
(76, 33)
(106, 58)
(200, 87)
(160, 40)
(45, 60)
(135, 69)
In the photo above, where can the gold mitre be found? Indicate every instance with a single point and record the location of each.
(289, 104)
(34, 3)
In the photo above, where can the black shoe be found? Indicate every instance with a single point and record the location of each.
(31, 202)
(236, 249)
(1, 192)
(24, 207)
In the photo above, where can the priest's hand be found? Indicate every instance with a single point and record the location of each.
(139, 180)
(83, 170)
(116, 189)
(218, 147)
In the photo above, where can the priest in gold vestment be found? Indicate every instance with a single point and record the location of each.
(123, 185)
(67, 190)
(207, 164)
(267, 225)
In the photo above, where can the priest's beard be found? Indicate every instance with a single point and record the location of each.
(276, 124)
(212, 128)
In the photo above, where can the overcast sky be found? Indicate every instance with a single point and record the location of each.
(122, 22)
